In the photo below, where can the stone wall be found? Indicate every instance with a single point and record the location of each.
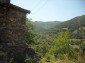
(5, 1)
(12, 31)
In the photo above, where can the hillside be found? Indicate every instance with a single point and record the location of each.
(75, 26)
(74, 23)
(69, 34)
(43, 26)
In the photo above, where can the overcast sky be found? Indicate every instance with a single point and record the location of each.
(52, 10)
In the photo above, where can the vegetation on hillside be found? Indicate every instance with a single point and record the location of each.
(43, 26)
(65, 43)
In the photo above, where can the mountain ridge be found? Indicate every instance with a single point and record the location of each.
(43, 26)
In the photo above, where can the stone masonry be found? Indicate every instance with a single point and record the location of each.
(12, 31)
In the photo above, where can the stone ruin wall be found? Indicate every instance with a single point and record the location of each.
(12, 29)
(5, 1)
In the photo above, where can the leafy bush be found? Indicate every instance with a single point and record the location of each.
(62, 46)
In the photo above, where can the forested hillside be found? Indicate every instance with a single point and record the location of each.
(75, 26)
(62, 42)
(72, 24)
(44, 26)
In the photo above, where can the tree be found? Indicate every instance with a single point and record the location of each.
(62, 46)
(31, 55)
(29, 35)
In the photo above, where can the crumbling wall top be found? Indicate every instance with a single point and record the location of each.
(5, 1)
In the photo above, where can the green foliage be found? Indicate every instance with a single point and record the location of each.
(62, 46)
(42, 49)
(31, 55)
(31, 60)
(82, 49)
(29, 25)
(59, 41)
(43, 43)
(29, 35)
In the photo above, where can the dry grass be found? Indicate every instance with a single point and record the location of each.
(65, 60)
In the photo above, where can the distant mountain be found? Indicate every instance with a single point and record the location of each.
(75, 26)
(74, 23)
(43, 26)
